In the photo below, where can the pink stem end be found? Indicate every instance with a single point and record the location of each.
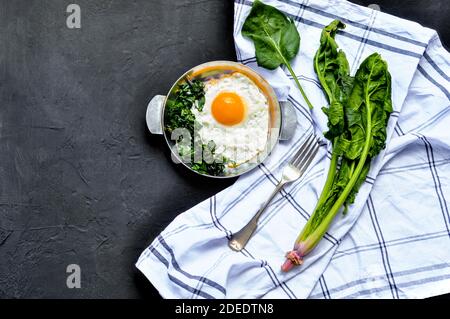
(293, 258)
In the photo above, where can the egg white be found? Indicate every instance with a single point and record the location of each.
(242, 142)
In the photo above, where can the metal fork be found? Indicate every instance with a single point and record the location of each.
(291, 172)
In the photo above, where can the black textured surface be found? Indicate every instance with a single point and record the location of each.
(81, 180)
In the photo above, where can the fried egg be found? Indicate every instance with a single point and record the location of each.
(235, 117)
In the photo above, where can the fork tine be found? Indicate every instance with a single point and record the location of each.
(303, 165)
(301, 151)
(306, 154)
(307, 150)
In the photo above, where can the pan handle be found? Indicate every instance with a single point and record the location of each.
(154, 114)
(288, 121)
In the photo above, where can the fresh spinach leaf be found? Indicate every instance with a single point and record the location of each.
(333, 71)
(367, 113)
(357, 119)
(276, 39)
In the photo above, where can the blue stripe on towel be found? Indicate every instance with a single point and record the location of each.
(177, 281)
(176, 266)
(382, 246)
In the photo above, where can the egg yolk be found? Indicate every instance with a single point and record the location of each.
(228, 108)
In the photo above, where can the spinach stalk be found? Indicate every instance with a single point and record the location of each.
(329, 181)
(276, 39)
(357, 118)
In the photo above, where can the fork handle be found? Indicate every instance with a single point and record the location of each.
(238, 240)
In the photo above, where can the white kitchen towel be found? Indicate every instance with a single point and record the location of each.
(395, 240)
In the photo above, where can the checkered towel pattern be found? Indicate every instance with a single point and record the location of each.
(395, 240)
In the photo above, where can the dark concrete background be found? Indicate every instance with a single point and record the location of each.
(81, 180)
